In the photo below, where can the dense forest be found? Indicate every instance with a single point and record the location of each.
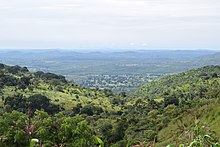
(45, 108)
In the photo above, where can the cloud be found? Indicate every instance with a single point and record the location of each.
(109, 23)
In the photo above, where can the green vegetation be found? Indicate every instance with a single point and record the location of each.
(17, 129)
(25, 87)
(175, 110)
(200, 83)
(201, 137)
(88, 68)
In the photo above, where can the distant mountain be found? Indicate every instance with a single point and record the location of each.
(82, 66)
(96, 63)
(213, 59)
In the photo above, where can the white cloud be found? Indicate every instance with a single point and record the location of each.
(109, 23)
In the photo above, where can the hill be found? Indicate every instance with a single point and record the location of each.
(119, 71)
(196, 90)
(213, 59)
(190, 84)
(17, 81)
(58, 112)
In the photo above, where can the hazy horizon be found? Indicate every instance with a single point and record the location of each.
(109, 50)
(104, 50)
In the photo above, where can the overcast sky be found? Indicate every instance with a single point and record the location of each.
(98, 24)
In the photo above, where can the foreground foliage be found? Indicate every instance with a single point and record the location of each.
(58, 112)
(201, 137)
(17, 129)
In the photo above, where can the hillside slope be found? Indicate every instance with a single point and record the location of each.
(180, 130)
(18, 82)
(192, 96)
(157, 114)
(194, 83)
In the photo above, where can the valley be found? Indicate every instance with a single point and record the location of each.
(112, 73)
(120, 71)
(159, 113)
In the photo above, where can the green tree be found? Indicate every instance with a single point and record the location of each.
(12, 131)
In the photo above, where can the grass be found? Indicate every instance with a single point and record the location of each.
(207, 115)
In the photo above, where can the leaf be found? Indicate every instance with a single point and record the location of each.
(100, 142)
(195, 144)
(34, 142)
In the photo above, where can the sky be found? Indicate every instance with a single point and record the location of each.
(110, 24)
